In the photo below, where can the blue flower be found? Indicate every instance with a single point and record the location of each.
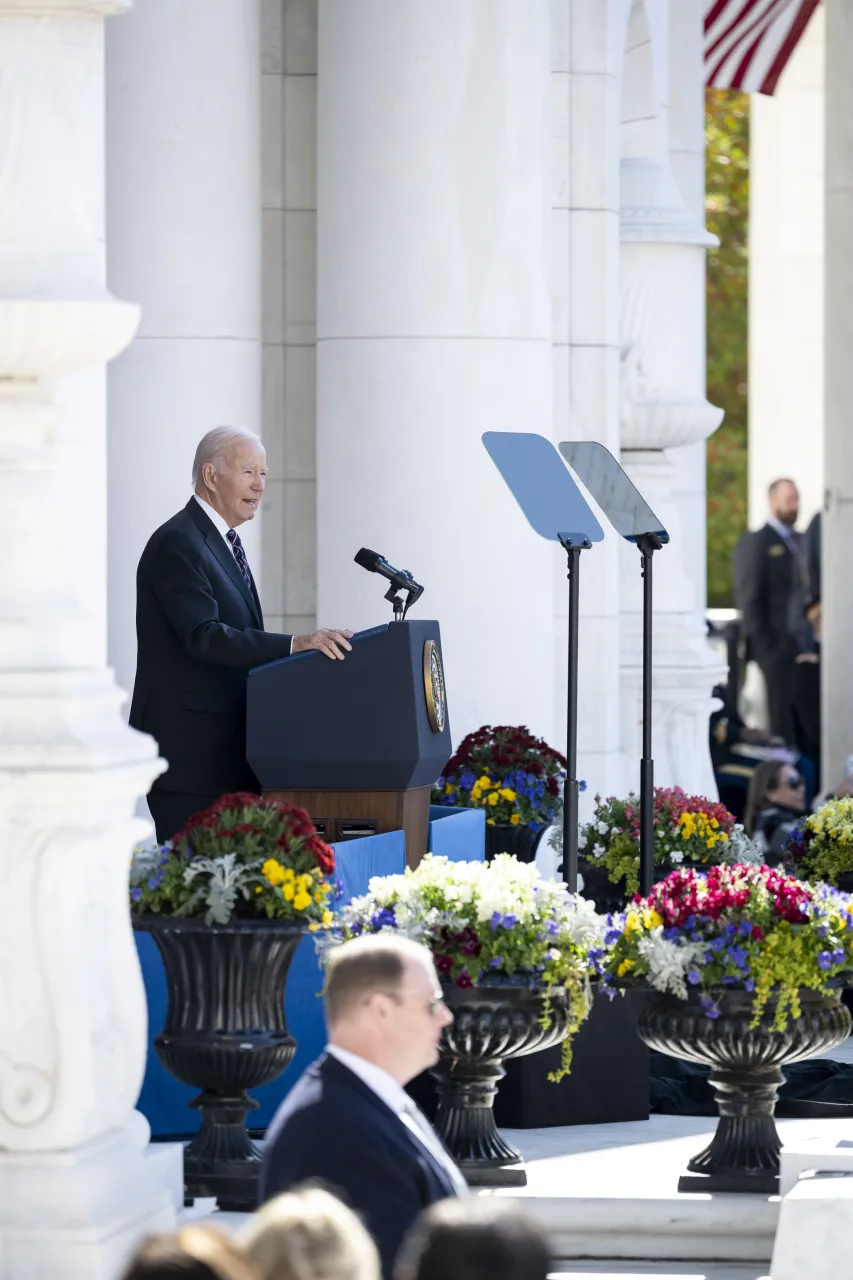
(825, 960)
(839, 955)
(508, 921)
(611, 937)
(383, 918)
(749, 985)
(553, 927)
(136, 894)
(581, 785)
(709, 1008)
(694, 977)
(495, 922)
(496, 963)
(339, 890)
(154, 881)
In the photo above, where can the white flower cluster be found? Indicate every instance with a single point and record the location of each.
(669, 961)
(441, 893)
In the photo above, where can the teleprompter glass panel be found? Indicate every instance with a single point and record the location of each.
(618, 497)
(544, 490)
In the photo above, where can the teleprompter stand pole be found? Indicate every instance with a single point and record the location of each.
(648, 543)
(573, 546)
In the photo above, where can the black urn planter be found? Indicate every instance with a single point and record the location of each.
(600, 889)
(491, 1022)
(225, 1033)
(521, 840)
(745, 1073)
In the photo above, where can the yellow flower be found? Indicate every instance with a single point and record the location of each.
(507, 793)
(494, 798)
(288, 892)
(625, 967)
(651, 919)
(709, 844)
(514, 819)
(490, 822)
(312, 928)
(327, 917)
(259, 888)
(449, 788)
(485, 781)
(274, 871)
(301, 901)
(633, 923)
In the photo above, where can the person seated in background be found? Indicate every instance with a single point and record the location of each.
(308, 1234)
(349, 1121)
(193, 1253)
(474, 1240)
(737, 750)
(775, 804)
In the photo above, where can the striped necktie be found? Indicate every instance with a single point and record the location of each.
(240, 556)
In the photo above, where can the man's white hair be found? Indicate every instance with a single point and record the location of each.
(213, 447)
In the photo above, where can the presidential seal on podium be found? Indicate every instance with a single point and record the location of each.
(434, 686)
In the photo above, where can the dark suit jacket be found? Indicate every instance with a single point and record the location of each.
(770, 596)
(333, 1128)
(199, 628)
(811, 559)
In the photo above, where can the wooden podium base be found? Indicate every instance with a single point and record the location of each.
(347, 815)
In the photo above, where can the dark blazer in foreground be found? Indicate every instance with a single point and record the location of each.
(199, 629)
(333, 1128)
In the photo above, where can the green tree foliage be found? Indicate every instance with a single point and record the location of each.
(727, 216)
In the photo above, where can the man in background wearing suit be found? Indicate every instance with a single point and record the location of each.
(199, 628)
(349, 1121)
(770, 595)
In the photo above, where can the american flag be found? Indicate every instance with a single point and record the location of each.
(748, 42)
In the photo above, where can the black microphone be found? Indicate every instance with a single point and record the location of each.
(373, 562)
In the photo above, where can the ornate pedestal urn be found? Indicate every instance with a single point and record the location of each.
(490, 1023)
(225, 1033)
(745, 1072)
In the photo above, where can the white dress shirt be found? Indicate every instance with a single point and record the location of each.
(397, 1100)
(216, 519)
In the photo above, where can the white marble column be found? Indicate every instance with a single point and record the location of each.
(184, 239)
(687, 161)
(588, 38)
(76, 1189)
(433, 326)
(786, 265)
(663, 407)
(289, 151)
(837, 586)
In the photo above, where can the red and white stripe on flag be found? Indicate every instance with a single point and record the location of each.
(748, 42)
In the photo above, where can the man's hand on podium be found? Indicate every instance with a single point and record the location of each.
(329, 642)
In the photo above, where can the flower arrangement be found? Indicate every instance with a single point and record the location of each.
(499, 920)
(743, 926)
(245, 857)
(821, 845)
(687, 829)
(515, 777)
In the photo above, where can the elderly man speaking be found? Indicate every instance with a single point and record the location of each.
(199, 628)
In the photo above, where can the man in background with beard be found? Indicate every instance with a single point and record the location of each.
(771, 597)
